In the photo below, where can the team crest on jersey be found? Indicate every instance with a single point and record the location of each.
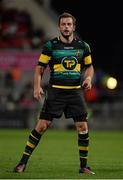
(69, 62)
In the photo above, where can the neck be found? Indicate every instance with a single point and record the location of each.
(67, 39)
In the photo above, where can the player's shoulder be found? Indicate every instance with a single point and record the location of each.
(49, 43)
(54, 40)
(82, 42)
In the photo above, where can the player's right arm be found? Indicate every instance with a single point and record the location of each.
(38, 91)
(44, 59)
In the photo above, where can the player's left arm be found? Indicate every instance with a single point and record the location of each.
(88, 76)
(89, 69)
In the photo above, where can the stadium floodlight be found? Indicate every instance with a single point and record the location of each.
(111, 83)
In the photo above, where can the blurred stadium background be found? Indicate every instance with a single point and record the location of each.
(25, 25)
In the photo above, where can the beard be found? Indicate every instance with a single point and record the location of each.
(66, 36)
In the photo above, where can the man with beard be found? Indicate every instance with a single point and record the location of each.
(67, 57)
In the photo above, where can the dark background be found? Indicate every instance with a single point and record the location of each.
(101, 25)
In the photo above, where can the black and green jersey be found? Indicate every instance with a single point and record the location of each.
(66, 62)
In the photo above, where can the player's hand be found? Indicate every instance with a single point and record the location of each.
(38, 93)
(87, 84)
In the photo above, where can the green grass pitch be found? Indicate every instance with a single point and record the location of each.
(56, 156)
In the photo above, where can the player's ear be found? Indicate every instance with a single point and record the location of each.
(74, 27)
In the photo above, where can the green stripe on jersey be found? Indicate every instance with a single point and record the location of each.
(63, 53)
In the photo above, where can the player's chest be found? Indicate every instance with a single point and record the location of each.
(69, 53)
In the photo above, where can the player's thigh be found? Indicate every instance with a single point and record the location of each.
(76, 105)
(54, 103)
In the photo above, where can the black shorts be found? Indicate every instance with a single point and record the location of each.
(68, 101)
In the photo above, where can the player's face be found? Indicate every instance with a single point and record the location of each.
(66, 27)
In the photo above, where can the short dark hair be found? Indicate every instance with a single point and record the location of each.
(67, 15)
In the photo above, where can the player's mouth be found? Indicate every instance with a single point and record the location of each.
(66, 31)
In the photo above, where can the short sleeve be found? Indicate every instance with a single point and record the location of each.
(45, 56)
(87, 55)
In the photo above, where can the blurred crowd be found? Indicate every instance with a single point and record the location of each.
(16, 98)
(17, 30)
(15, 94)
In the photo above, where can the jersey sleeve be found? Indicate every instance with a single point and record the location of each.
(45, 56)
(87, 55)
